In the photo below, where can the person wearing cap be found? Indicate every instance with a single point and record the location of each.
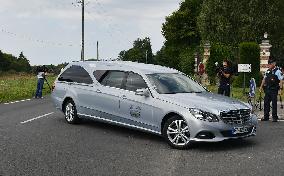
(272, 85)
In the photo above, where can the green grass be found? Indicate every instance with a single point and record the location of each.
(237, 93)
(20, 86)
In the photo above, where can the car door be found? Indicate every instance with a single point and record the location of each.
(106, 100)
(137, 109)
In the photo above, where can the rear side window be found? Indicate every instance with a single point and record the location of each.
(99, 74)
(76, 74)
(113, 79)
(134, 82)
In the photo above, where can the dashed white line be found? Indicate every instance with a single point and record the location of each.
(279, 120)
(36, 118)
(13, 102)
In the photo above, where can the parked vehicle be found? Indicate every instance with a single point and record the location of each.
(151, 98)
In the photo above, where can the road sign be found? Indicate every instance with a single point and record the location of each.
(244, 68)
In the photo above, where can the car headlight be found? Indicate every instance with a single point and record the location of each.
(204, 116)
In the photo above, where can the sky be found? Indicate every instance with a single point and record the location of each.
(49, 31)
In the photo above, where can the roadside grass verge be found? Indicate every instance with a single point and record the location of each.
(237, 93)
(21, 86)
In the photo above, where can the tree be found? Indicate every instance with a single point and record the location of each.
(218, 53)
(140, 52)
(8, 62)
(23, 63)
(235, 21)
(249, 54)
(168, 56)
(4, 62)
(180, 28)
(187, 60)
(182, 37)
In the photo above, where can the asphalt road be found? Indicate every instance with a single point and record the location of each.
(36, 140)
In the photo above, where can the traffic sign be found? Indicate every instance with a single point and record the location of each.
(244, 68)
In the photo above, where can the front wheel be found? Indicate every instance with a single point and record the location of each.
(176, 132)
(70, 112)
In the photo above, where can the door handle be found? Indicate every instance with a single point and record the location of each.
(123, 97)
(98, 91)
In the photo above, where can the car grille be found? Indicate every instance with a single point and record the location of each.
(239, 116)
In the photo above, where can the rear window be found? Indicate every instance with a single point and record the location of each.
(76, 74)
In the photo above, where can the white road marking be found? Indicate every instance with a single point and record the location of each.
(279, 120)
(36, 118)
(13, 102)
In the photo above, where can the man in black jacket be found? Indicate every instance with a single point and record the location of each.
(224, 74)
(272, 86)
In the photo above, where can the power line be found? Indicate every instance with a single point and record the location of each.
(28, 38)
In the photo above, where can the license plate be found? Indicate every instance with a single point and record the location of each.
(240, 130)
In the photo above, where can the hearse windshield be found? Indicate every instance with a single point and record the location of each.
(172, 83)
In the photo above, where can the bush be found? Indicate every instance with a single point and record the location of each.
(249, 54)
(218, 53)
(187, 61)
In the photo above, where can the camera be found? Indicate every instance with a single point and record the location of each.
(219, 69)
(232, 68)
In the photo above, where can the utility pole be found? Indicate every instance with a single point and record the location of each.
(97, 50)
(83, 30)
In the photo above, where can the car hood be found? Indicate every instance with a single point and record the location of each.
(205, 101)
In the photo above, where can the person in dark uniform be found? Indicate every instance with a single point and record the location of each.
(224, 74)
(272, 86)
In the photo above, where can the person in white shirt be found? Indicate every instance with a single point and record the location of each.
(40, 82)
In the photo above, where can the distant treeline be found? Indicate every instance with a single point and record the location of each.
(8, 62)
(13, 64)
(54, 69)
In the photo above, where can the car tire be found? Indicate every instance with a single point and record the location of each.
(70, 112)
(176, 133)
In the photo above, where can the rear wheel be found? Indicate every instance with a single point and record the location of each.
(70, 112)
(176, 132)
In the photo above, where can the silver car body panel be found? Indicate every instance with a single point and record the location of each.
(120, 107)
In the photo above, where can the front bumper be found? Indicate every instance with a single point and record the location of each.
(57, 102)
(219, 131)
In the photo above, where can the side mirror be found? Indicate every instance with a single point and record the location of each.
(143, 92)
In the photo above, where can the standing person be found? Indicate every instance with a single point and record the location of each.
(224, 74)
(272, 85)
(40, 82)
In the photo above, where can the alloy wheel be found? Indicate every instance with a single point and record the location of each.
(178, 133)
(69, 112)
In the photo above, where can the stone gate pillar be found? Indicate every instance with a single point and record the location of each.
(206, 53)
(206, 56)
(264, 53)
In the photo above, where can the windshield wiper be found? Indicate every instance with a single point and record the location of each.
(197, 92)
(190, 92)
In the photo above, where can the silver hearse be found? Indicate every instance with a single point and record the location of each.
(151, 98)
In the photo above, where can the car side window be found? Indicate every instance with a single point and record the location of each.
(76, 74)
(113, 79)
(134, 82)
(100, 74)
